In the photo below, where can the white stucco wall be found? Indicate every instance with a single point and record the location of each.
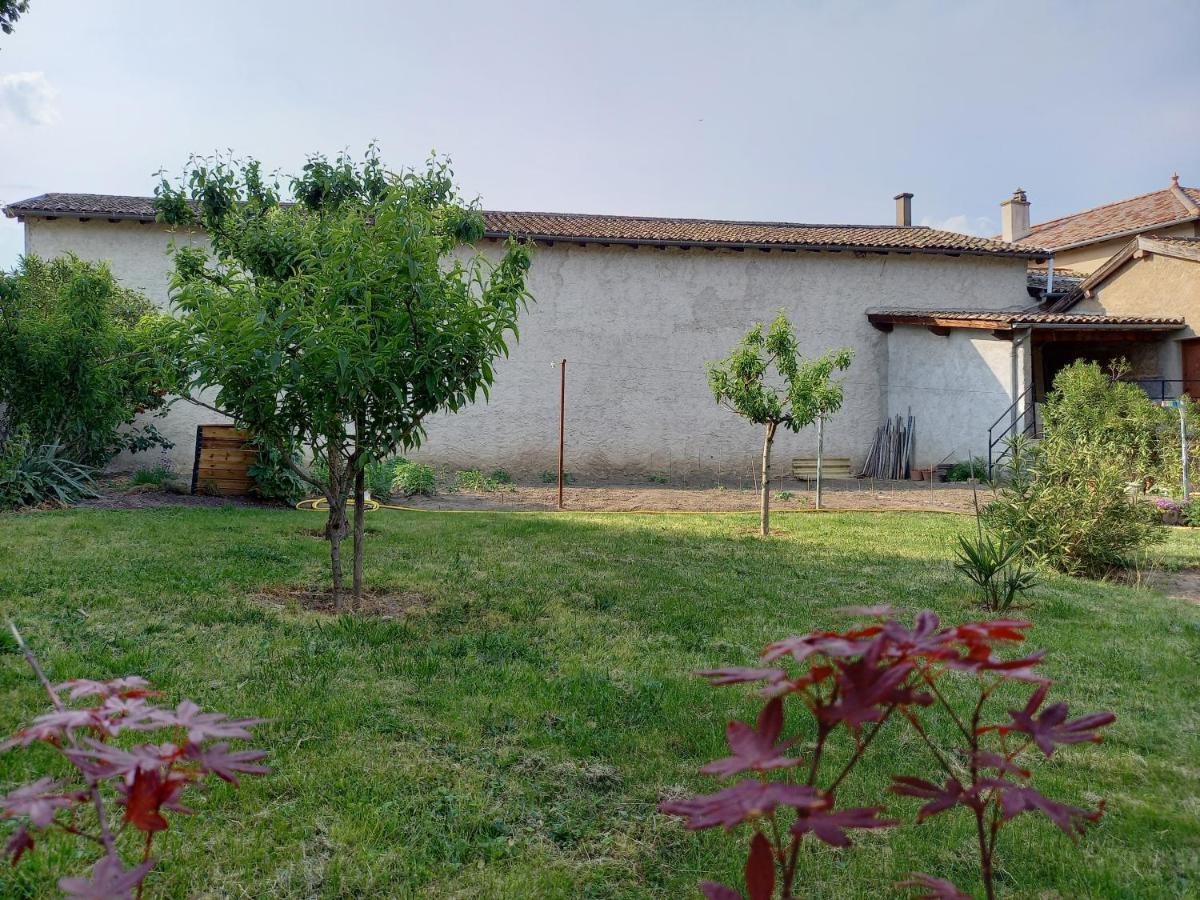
(955, 386)
(636, 326)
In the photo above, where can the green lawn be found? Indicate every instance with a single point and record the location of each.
(514, 738)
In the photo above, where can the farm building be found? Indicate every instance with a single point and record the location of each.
(942, 325)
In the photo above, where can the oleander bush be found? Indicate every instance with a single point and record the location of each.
(1073, 500)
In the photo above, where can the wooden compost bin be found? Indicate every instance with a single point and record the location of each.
(222, 462)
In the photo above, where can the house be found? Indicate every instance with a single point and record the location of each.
(637, 305)
(1133, 258)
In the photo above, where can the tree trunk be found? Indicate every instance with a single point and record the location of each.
(335, 528)
(360, 509)
(765, 507)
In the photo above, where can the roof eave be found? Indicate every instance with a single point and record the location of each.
(747, 245)
(75, 214)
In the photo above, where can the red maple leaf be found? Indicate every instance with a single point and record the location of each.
(933, 888)
(1052, 726)
(830, 825)
(940, 798)
(755, 749)
(747, 799)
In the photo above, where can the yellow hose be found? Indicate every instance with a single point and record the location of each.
(320, 503)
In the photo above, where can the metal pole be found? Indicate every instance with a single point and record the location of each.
(1187, 488)
(820, 453)
(562, 424)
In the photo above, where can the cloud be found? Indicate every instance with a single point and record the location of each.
(27, 98)
(979, 226)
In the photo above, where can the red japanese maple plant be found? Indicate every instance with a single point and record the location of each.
(145, 779)
(852, 684)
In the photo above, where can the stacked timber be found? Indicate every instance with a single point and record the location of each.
(891, 452)
(223, 461)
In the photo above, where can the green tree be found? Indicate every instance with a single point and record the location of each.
(10, 11)
(80, 358)
(338, 322)
(794, 396)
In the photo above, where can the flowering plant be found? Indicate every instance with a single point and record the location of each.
(852, 684)
(146, 779)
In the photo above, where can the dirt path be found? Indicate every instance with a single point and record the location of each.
(1181, 585)
(840, 495)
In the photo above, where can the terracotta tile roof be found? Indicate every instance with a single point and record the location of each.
(114, 206)
(1154, 210)
(1006, 319)
(721, 233)
(632, 230)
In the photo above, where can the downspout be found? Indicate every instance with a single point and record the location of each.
(1014, 359)
(1049, 276)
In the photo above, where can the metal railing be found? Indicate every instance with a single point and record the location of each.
(1167, 388)
(1019, 418)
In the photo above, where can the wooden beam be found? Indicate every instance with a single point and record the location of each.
(1058, 336)
(939, 330)
(885, 327)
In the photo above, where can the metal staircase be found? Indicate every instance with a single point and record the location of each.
(1021, 418)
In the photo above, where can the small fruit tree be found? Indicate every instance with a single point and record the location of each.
(799, 392)
(338, 322)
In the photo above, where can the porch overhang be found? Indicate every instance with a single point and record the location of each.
(1043, 327)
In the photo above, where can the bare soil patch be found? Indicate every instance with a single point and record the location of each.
(383, 603)
(1182, 585)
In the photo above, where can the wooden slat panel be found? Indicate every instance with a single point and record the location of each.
(222, 461)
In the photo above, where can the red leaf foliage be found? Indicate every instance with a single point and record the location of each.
(760, 868)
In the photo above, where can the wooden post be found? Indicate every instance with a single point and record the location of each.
(820, 453)
(562, 424)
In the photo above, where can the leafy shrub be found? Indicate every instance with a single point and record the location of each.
(32, 474)
(852, 685)
(784, 495)
(379, 475)
(274, 479)
(410, 479)
(1071, 499)
(1191, 513)
(134, 785)
(501, 476)
(549, 476)
(152, 475)
(80, 358)
(474, 480)
(656, 478)
(1065, 504)
(993, 564)
(965, 471)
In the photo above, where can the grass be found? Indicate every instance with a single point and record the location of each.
(515, 737)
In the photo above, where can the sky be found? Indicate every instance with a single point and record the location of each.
(815, 112)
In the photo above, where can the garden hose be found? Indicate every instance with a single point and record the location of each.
(321, 504)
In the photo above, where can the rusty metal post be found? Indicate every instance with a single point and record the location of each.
(562, 424)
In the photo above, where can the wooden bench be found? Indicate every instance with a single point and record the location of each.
(223, 460)
(804, 468)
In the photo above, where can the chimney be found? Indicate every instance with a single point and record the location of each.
(1014, 217)
(904, 210)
